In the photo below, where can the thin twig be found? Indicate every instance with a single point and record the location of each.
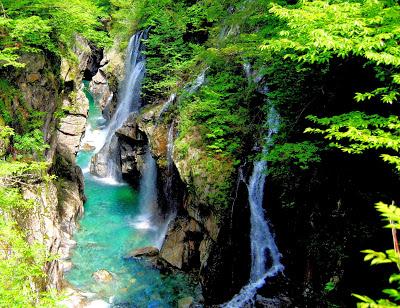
(395, 241)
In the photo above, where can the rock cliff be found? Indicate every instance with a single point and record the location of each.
(58, 95)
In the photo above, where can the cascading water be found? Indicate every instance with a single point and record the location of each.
(171, 214)
(149, 218)
(129, 102)
(167, 104)
(263, 246)
(198, 82)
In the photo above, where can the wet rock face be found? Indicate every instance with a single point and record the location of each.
(42, 225)
(181, 247)
(72, 72)
(133, 146)
(72, 126)
(102, 94)
(106, 81)
(100, 162)
(98, 165)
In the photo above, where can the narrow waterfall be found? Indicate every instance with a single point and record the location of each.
(263, 246)
(198, 82)
(106, 158)
(167, 104)
(170, 149)
(147, 195)
(171, 213)
(150, 218)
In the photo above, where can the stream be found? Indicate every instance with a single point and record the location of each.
(107, 234)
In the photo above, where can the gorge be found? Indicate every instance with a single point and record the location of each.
(199, 153)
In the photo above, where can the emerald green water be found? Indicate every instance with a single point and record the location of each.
(106, 235)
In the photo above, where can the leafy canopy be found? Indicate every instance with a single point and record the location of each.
(48, 25)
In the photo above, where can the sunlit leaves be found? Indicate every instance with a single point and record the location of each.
(317, 31)
(32, 26)
(391, 214)
(21, 265)
(301, 154)
(358, 131)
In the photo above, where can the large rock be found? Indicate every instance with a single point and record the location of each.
(98, 165)
(41, 225)
(180, 248)
(101, 91)
(71, 71)
(102, 276)
(186, 302)
(72, 126)
(144, 252)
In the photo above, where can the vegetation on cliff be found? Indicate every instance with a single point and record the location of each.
(21, 263)
(31, 27)
(47, 25)
(320, 59)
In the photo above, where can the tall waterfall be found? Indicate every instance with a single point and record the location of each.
(171, 214)
(150, 217)
(263, 247)
(129, 102)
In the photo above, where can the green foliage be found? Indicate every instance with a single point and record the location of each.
(30, 143)
(390, 214)
(21, 263)
(330, 286)
(218, 113)
(321, 31)
(36, 25)
(358, 132)
(27, 123)
(301, 154)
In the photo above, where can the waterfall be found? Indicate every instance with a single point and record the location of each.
(263, 246)
(198, 82)
(167, 104)
(150, 218)
(107, 154)
(148, 195)
(170, 149)
(168, 189)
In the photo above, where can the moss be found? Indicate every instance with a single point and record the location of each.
(210, 177)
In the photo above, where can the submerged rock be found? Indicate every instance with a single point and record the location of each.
(88, 147)
(185, 302)
(102, 276)
(144, 252)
